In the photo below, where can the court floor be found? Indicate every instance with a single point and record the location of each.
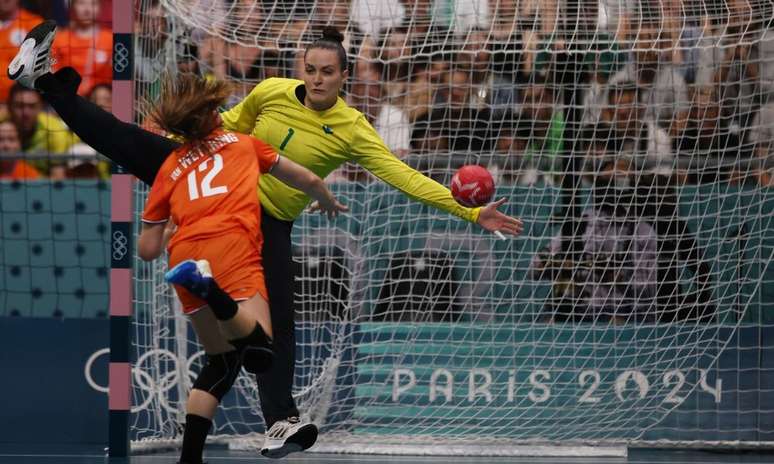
(40, 454)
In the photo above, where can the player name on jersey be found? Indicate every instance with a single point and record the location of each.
(201, 150)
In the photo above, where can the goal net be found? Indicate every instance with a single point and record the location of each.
(633, 140)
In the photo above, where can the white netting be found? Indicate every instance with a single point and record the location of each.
(647, 236)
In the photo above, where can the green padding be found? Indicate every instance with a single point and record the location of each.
(55, 238)
(54, 248)
(383, 222)
(447, 361)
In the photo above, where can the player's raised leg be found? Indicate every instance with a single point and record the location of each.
(246, 325)
(138, 151)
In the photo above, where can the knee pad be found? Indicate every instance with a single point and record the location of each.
(219, 373)
(257, 360)
(256, 350)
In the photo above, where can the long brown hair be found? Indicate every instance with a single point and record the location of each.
(187, 103)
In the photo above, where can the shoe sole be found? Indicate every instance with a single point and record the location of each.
(38, 35)
(302, 440)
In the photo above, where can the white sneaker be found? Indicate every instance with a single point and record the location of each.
(34, 56)
(288, 436)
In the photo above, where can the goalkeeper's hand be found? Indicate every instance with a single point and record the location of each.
(332, 208)
(494, 221)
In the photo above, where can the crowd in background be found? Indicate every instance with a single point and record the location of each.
(680, 88)
(27, 128)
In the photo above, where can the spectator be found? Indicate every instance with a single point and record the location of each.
(334, 13)
(85, 45)
(600, 146)
(663, 89)
(604, 62)
(614, 16)
(504, 19)
(474, 58)
(606, 272)
(40, 133)
(151, 34)
(708, 134)
(11, 166)
(452, 124)
(737, 78)
(394, 55)
(418, 17)
(766, 56)
(102, 96)
(539, 106)
(637, 135)
(392, 124)
(513, 136)
(242, 58)
(655, 199)
(762, 142)
(247, 66)
(462, 15)
(625, 260)
(374, 16)
(15, 22)
(85, 162)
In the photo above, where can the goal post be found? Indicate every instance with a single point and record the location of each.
(627, 311)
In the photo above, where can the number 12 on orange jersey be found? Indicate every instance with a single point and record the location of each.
(206, 190)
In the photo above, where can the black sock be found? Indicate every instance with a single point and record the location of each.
(220, 302)
(196, 430)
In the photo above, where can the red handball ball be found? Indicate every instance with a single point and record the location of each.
(472, 186)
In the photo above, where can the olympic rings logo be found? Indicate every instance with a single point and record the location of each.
(119, 245)
(120, 57)
(150, 388)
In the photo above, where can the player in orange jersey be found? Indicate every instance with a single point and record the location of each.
(15, 23)
(208, 188)
(85, 45)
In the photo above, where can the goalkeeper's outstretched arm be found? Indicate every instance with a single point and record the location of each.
(369, 151)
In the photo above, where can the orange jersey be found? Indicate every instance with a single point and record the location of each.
(210, 189)
(11, 37)
(20, 171)
(89, 55)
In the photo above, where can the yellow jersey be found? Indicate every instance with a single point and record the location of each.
(321, 141)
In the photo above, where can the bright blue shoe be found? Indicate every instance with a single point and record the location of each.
(194, 276)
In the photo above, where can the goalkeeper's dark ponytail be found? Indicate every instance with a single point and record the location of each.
(331, 40)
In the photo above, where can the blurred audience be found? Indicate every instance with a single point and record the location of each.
(439, 76)
(102, 96)
(83, 161)
(540, 106)
(391, 122)
(663, 89)
(41, 134)
(373, 16)
(12, 167)
(15, 22)
(635, 130)
(85, 45)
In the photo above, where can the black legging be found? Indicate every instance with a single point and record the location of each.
(142, 153)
